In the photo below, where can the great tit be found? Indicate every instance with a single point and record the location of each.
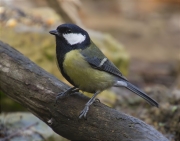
(83, 64)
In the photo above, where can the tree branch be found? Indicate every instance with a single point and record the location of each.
(35, 89)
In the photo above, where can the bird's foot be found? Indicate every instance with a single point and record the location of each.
(67, 93)
(86, 108)
(62, 95)
(84, 111)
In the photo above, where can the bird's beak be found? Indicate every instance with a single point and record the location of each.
(54, 32)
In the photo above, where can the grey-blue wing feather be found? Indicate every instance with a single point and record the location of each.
(106, 66)
(95, 57)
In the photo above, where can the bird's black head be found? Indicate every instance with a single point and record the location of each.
(71, 35)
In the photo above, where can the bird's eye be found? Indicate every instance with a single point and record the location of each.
(58, 29)
(68, 31)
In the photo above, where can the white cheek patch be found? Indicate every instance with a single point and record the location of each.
(74, 38)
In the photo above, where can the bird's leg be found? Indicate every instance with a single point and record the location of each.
(86, 108)
(68, 92)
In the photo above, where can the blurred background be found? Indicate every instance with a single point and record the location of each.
(141, 37)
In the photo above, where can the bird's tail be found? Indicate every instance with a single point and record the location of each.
(137, 91)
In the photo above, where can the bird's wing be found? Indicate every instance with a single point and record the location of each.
(99, 61)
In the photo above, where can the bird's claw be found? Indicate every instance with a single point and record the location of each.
(67, 93)
(86, 109)
(84, 112)
(60, 96)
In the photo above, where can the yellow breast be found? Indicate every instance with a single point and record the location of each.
(83, 75)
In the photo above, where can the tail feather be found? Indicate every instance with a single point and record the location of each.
(137, 91)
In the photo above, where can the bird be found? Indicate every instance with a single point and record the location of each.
(83, 64)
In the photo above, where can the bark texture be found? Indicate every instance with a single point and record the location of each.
(35, 89)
